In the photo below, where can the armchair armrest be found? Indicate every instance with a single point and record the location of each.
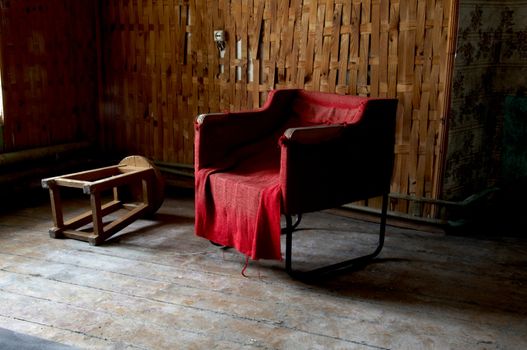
(313, 134)
(327, 166)
(219, 134)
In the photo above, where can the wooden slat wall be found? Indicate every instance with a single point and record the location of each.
(162, 68)
(49, 72)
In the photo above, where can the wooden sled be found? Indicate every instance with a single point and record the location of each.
(136, 184)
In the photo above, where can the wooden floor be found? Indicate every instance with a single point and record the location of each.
(158, 286)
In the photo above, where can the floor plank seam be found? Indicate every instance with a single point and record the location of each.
(277, 324)
(184, 330)
(69, 330)
(424, 297)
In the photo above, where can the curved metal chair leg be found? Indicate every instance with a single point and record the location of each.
(297, 222)
(294, 225)
(224, 247)
(355, 262)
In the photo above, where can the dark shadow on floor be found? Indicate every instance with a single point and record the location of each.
(10, 340)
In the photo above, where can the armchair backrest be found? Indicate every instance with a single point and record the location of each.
(315, 108)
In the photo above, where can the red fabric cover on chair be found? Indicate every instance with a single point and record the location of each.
(239, 205)
(301, 152)
(315, 108)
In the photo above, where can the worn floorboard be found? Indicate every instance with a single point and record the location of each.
(158, 286)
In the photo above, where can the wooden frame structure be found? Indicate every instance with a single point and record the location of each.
(137, 172)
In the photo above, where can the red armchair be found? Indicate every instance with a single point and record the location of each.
(301, 152)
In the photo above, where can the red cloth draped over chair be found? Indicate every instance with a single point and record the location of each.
(301, 152)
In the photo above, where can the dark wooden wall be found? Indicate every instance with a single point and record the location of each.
(48, 57)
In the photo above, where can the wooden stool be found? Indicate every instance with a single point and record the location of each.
(142, 180)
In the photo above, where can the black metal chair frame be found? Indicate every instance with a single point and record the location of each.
(358, 262)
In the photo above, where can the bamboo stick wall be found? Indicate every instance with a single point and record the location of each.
(49, 72)
(162, 68)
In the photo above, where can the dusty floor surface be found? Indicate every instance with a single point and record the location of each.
(158, 286)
